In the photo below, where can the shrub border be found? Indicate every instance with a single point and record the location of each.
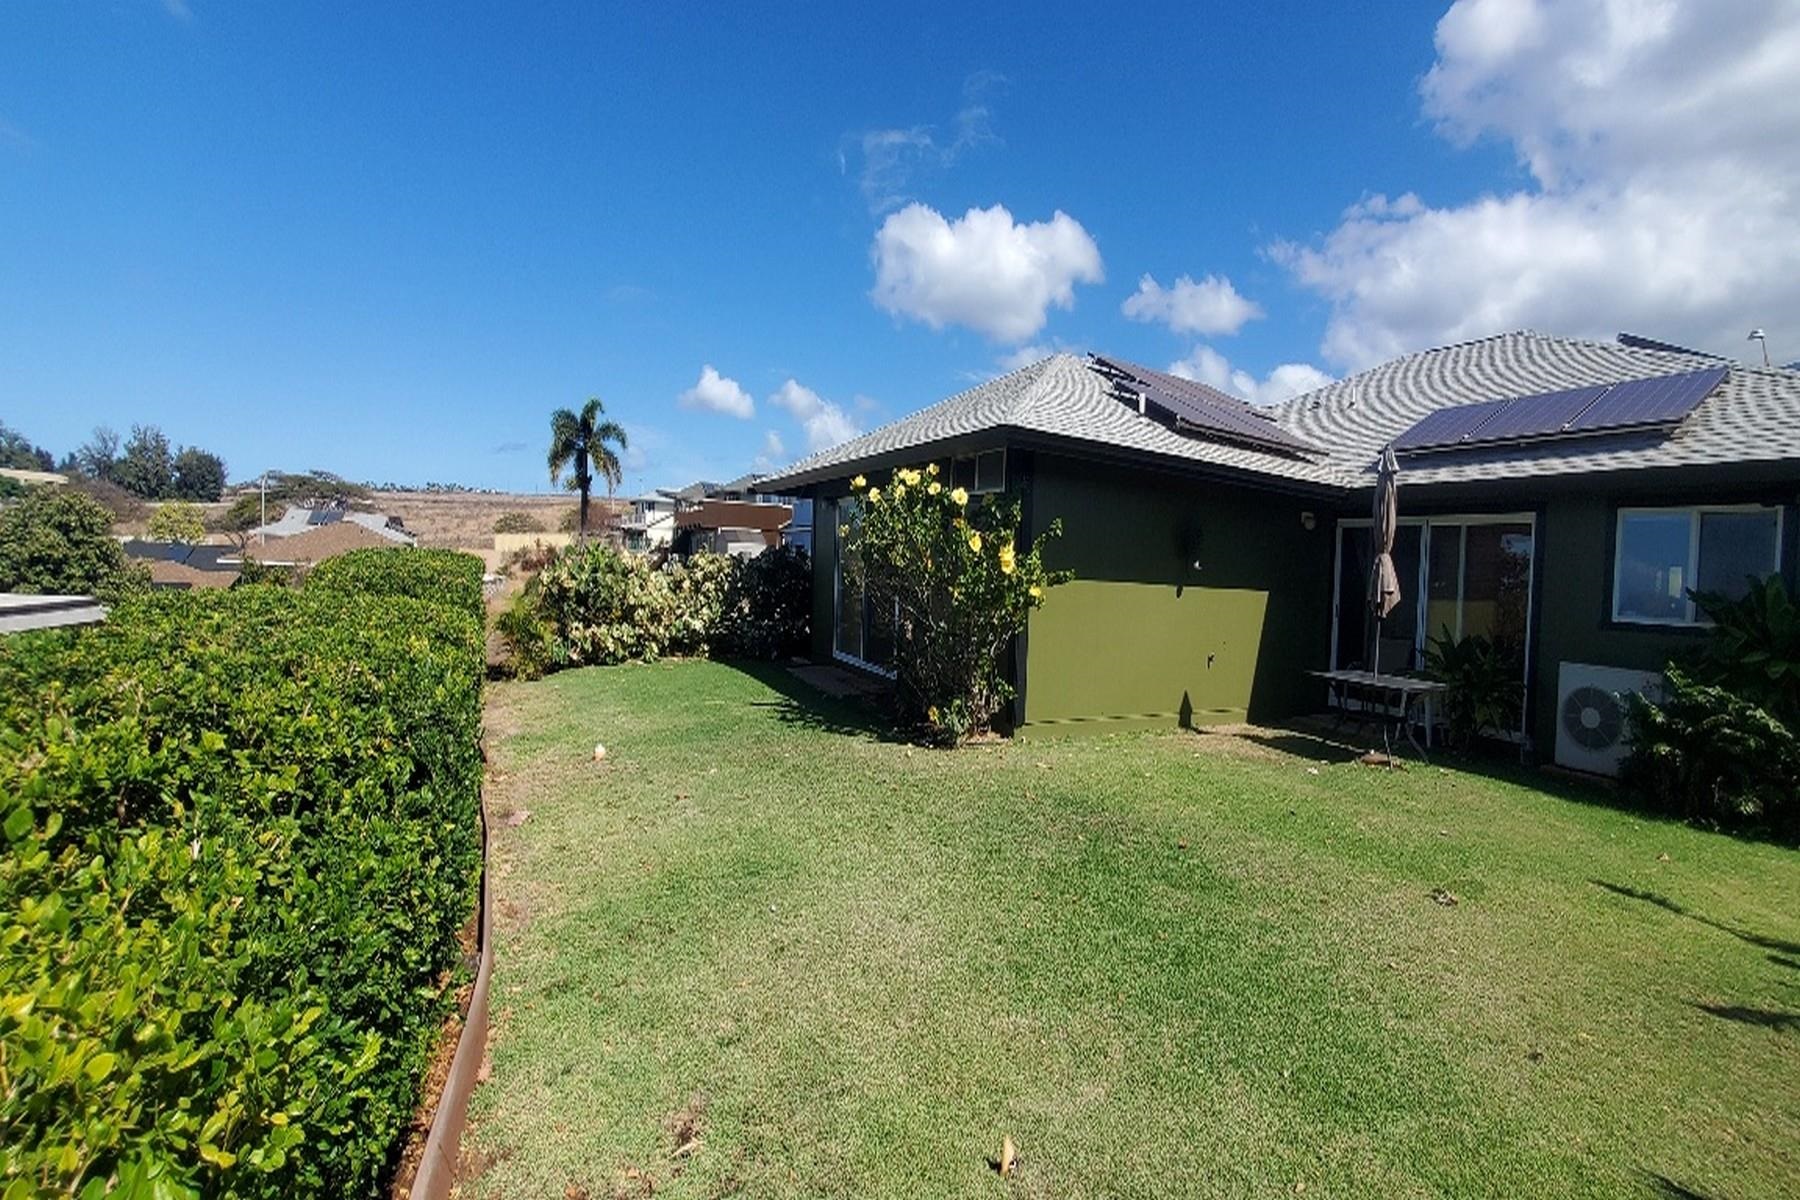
(436, 1173)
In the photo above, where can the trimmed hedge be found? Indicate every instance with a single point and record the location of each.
(240, 838)
(443, 576)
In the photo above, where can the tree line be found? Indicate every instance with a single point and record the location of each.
(145, 464)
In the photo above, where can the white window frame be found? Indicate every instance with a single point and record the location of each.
(1694, 619)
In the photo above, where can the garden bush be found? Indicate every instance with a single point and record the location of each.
(177, 521)
(593, 605)
(1721, 746)
(442, 576)
(950, 570)
(240, 839)
(1485, 697)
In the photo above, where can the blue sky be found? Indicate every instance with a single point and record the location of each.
(388, 239)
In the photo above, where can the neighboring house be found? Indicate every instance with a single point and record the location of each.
(298, 520)
(1549, 498)
(735, 527)
(651, 525)
(318, 544)
(33, 478)
(183, 566)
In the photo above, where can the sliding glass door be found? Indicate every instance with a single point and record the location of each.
(856, 635)
(1460, 576)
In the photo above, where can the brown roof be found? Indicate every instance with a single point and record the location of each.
(735, 514)
(179, 575)
(318, 544)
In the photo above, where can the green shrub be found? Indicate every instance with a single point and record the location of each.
(1754, 649)
(58, 541)
(442, 576)
(768, 611)
(595, 605)
(517, 522)
(960, 588)
(240, 839)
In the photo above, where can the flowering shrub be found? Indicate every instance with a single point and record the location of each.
(593, 605)
(951, 572)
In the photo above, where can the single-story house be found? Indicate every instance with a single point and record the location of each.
(183, 566)
(1558, 495)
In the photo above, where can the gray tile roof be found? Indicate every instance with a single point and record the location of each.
(1754, 416)
(1060, 397)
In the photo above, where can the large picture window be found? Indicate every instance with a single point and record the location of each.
(1664, 554)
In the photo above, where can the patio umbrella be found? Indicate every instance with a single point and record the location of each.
(1384, 581)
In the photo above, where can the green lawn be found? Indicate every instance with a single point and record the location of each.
(1168, 964)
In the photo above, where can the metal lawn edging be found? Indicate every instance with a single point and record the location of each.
(437, 1164)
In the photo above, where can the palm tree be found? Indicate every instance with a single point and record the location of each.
(580, 441)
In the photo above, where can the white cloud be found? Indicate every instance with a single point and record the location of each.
(892, 159)
(1209, 307)
(825, 424)
(718, 393)
(1658, 135)
(1208, 366)
(774, 452)
(982, 270)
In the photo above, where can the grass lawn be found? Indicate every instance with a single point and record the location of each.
(1169, 964)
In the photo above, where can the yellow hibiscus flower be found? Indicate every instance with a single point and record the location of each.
(975, 542)
(1036, 592)
(875, 495)
(859, 483)
(931, 467)
(1007, 561)
(932, 714)
(960, 496)
(934, 487)
(899, 490)
(909, 477)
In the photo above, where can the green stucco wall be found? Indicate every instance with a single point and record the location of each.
(1141, 638)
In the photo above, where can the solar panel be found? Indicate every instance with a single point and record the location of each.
(1544, 415)
(1205, 409)
(1661, 401)
(325, 516)
(1448, 427)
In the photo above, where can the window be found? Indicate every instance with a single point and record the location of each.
(978, 473)
(857, 634)
(1663, 554)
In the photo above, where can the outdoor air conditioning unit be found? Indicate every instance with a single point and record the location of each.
(1590, 714)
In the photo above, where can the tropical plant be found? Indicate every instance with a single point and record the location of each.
(57, 541)
(583, 444)
(1486, 692)
(948, 577)
(1721, 745)
(1754, 648)
(177, 521)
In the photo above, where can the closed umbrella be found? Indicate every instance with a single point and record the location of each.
(1384, 581)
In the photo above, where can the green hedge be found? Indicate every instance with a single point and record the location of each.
(240, 837)
(443, 576)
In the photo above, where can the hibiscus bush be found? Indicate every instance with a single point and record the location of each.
(947, 573)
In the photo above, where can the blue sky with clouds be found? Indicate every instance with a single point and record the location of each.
(388, 239)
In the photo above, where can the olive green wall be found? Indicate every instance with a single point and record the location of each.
(1142, 638)
(1574, 591)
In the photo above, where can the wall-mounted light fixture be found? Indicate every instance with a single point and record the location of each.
(1308, 522)
(1192, 542)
